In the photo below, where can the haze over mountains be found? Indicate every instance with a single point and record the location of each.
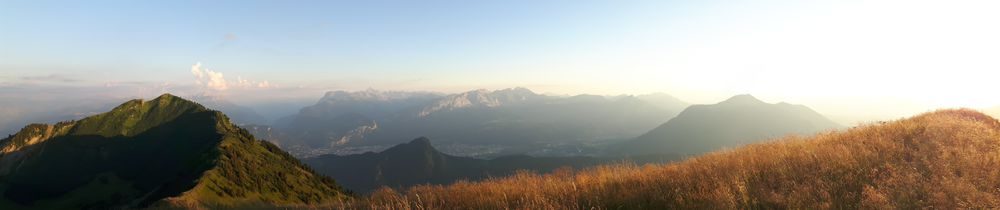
(164, 152)
(171, 152)
(740, 120)
(238, 113)
(217, 158)
(510, 121)
(479, 122)
(14, 116)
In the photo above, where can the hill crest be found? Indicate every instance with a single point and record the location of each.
(165, 151)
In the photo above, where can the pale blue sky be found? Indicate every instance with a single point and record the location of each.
(304, 41)
(885, 56)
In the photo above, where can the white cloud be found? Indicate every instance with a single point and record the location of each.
(196, 70)
(208, 78)
(216, 81)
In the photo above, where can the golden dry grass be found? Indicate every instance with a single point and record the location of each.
(945, 160)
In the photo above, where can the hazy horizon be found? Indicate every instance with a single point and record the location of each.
(850, 60)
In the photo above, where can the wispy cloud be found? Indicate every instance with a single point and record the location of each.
(50, 78)
(227, 39)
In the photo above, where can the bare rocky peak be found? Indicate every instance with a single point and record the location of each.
(481, 98)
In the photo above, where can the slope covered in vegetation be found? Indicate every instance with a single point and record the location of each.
(163, 152)
(945, 159)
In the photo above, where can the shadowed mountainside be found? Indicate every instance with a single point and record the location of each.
(737, 121)
(163, 152)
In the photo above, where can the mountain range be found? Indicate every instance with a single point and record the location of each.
(507, 121)
(740, 120)
(166, 152)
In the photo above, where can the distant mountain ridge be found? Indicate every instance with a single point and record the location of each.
(516, 119)
(481, 98)
(164, 152)
(739, 120)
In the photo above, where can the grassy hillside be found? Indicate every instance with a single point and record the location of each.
(163, 152)
(945, 159)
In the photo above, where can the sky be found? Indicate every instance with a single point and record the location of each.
(852, 60)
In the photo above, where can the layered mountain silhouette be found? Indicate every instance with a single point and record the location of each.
(740, 120)
(164, 152)
(516, 119)
(418, 162)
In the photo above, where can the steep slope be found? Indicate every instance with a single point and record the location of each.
(739, 120)
(941, 160)
(418, 162)
(166, 151)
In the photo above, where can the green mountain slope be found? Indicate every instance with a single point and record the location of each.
(164, 152)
